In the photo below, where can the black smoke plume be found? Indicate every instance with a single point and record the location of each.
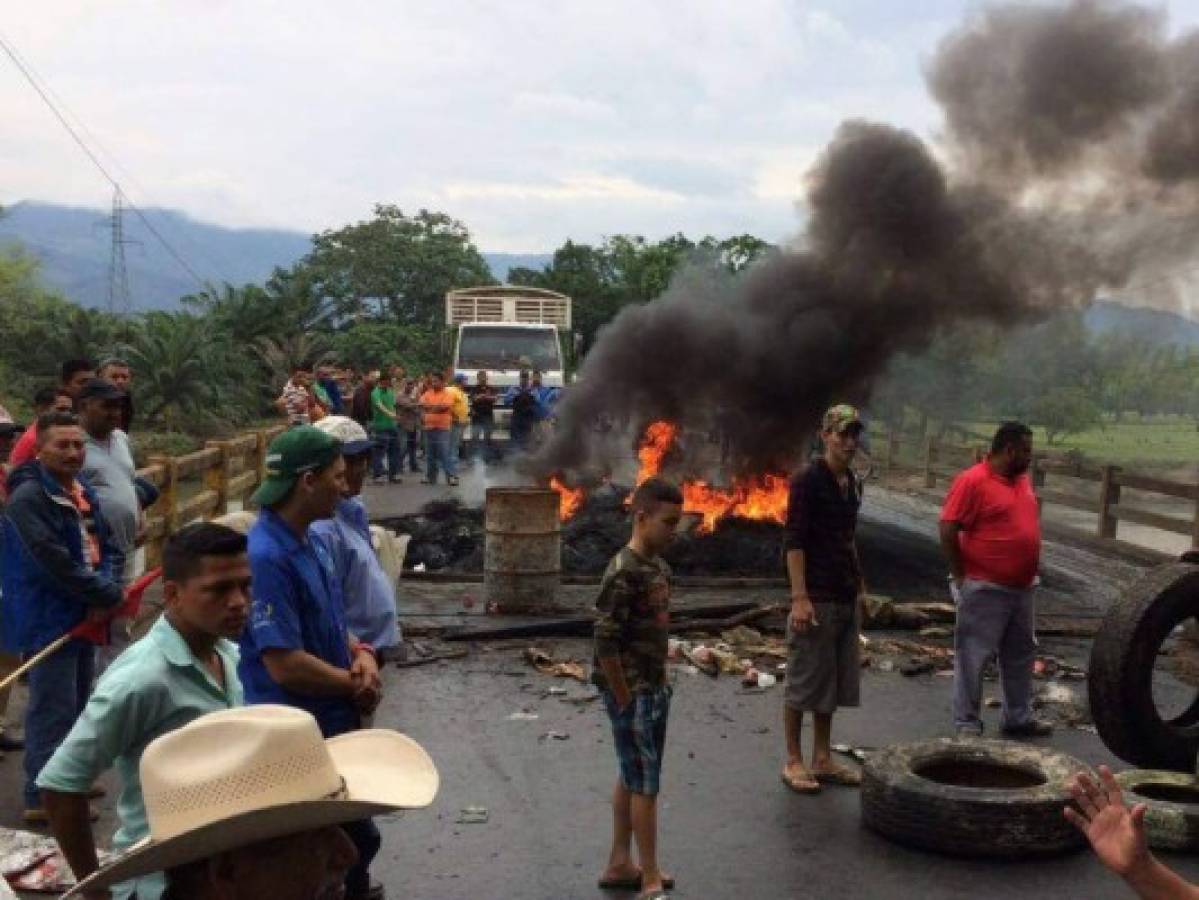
(1039, 102)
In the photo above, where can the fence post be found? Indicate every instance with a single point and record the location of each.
(1038, 474)
(216, 479)
(930, 457)
(1109, 496)
(164, 506)
(892, 454)
(1195, 525)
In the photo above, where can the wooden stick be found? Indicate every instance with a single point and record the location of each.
(46, 651)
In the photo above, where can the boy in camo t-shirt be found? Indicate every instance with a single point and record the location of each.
(631, 636)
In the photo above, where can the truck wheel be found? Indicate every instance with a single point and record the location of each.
(1120, 681)
(1172, 820)
(972, 798)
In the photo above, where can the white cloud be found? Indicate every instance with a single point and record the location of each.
(531, 122)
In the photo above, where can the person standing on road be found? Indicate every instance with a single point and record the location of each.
(297, 401)
(185, 667)
(385, 431)
(461, 412)
(298, 650)
(120, 373)
(108, 468)
(369, 594)
(57, 571)
(409, 416)
(360, 401)
(991, 535)
(482, 420)
(437, 403)
(525, 412)
(629, 668)
(823, 668)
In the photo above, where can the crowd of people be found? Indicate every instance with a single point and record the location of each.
(272, 633)
(438, 417)
(308, 639)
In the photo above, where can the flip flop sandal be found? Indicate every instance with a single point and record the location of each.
(630, 884)
(844, 777)
(808, 785)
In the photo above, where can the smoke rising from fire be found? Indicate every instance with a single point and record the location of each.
(1072, 164)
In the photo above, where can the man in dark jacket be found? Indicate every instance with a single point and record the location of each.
(56, 573)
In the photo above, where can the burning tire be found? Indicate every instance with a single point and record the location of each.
(971, 798)
(1121, 672)
(1172, 820)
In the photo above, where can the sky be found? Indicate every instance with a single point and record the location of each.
(532, 122)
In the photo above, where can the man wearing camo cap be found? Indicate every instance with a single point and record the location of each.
(823, 668)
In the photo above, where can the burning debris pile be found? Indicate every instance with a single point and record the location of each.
(448, 537)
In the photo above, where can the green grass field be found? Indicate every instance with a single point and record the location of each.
(1160, 441)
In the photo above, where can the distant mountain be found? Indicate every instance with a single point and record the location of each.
(74, 246)
(1154, 325)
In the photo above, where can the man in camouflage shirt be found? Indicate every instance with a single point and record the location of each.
(631, 636)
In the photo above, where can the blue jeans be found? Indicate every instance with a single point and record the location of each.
(456, 442)
(386, 443)
(480, 440)
(437, 453)
(408, 450)
(58, 690)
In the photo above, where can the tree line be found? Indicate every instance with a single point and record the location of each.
(368, 294)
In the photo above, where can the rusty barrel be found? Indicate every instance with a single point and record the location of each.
(522, 558)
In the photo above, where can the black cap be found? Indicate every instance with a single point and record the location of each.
(101, 389)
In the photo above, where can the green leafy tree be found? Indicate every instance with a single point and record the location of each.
(396, 267)
(1063, 410)
(179, 378)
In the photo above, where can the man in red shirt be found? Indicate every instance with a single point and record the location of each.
(991, 535)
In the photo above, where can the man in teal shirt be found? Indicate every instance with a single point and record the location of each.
(185, 667)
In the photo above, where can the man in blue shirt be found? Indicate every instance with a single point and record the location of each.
(369, 593)
(185, 667)
(298, 650)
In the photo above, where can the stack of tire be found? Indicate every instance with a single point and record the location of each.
(1120, 683)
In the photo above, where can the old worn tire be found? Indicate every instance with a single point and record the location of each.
(1120, 681)
(1170, 824)
(1020, 822)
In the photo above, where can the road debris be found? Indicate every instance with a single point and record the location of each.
(522, 716)
(554, 736)
(545, 663)
(473, 815)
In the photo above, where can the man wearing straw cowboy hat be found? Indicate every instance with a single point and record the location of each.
(297, 650)
(245, 804)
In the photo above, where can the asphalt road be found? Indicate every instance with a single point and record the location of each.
(729, 829)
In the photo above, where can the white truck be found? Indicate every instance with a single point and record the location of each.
(502, 329)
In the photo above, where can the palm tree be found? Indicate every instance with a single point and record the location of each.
(178, 378)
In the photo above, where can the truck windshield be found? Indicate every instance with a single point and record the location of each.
(508, 348)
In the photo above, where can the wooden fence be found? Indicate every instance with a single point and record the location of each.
(941, 461)
(202, 484)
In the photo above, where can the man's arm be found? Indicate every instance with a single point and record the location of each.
(378, 405)
(613, 608)
(35, 527)
(302, 673)
(803, 613)
(1117, 835)
(952, 549)
(70, 821)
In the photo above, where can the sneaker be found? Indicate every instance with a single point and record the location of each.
(395, 480)
(10, 744)
(378, 479)
(1031, 728)
(973, 730)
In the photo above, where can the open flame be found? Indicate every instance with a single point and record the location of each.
(570, 500)
(762, 497)
(656, 443)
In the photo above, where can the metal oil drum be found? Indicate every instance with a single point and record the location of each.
(522, 557)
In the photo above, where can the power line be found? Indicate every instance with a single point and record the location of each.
(75, 136)
(94, 140)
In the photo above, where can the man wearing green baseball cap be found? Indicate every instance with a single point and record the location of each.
(297, 650)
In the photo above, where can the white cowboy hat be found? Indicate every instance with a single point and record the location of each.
(236, 777)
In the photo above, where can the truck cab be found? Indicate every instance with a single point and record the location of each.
(502, 329)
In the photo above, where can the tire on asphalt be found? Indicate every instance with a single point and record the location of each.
(1015, 813)
(1172, 820)
(1120, 680)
